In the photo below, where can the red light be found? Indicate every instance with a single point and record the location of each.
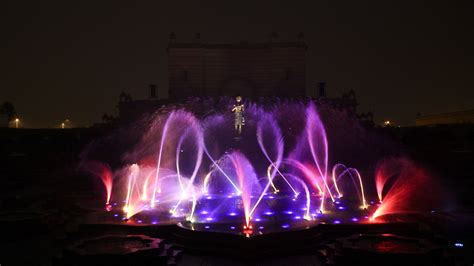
(247, 230)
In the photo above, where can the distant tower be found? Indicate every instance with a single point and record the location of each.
(152, 88)
(322, 90)
(172, 37)
(300, 36)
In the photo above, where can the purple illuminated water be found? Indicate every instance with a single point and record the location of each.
(205, 172)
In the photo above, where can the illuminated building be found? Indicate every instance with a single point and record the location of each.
(248, 69)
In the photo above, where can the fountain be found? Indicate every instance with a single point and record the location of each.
(270, 174)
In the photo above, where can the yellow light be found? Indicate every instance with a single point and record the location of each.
(17, 120)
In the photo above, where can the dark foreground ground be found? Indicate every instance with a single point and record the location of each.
(43, 198)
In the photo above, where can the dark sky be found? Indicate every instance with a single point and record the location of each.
(71, 59)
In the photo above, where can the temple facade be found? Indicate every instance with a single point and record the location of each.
(245, 69)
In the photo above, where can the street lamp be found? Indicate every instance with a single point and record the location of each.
(16, 122)
(63, 125)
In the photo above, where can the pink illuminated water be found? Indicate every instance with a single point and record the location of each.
(206, 172)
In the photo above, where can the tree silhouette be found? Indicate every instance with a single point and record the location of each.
(8, 109)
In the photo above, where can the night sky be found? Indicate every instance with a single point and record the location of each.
(71, 59)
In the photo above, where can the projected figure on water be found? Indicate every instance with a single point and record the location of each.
(238, 110)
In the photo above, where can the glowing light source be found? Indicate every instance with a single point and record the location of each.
(459, 245)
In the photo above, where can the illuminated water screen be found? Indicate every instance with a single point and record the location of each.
(271, 173)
